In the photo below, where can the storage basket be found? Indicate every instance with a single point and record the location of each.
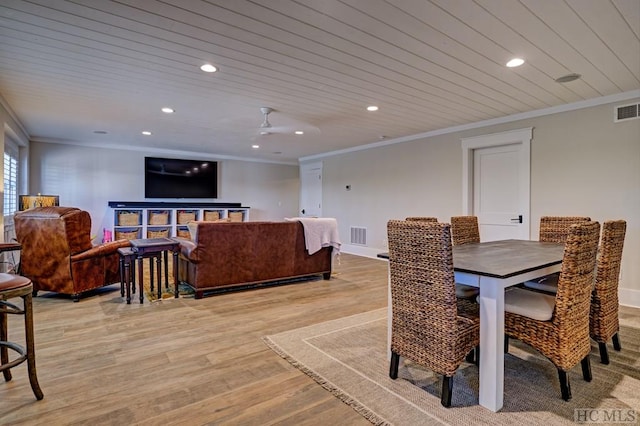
(157, 233)
(126, 235)
(236, 216)
(128, 218)
(159, 218)
(211, 216)
(184, 233)
(185, 216)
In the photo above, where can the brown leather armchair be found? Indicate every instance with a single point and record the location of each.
(57, 252)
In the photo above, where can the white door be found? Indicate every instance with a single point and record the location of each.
(498, 190)
(311, 189)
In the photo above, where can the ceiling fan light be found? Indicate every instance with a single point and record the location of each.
(299, 132)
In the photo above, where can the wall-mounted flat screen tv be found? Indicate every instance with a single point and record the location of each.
(179, 178)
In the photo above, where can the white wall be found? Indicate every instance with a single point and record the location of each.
(582, 163)
(89, 178)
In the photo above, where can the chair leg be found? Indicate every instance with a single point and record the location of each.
(565, 386)
(447, 388)
(393, 368)
(471, 356)
(616, 342)
(604, 355)
(31, 350)
(4, 352)
(586, 368)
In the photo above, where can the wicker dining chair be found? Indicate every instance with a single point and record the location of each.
(558, 326)
(604, 323)
(422, 218)
(430, 326)
(465, 230)
(553, 229)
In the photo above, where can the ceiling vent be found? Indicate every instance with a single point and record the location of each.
(626, 112)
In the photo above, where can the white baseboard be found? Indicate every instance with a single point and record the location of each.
(371, 252)
(629, 297)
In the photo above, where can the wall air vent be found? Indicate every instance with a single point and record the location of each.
(626, 112)
(359, 236)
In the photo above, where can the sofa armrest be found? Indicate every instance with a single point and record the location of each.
(188, 249)
(101, 250)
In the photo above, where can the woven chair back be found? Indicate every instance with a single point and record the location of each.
(422, 218)
(554, 229)
(425, 324)
(573, 299)
(604, 300)
(464, 230)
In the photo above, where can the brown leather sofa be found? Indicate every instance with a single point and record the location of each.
(57, 252)
(222, 256)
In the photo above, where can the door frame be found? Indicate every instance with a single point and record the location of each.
(303, 189)
(469, 145)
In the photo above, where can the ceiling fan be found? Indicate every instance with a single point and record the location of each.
(266, 128)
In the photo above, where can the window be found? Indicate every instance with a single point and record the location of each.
(10, 179)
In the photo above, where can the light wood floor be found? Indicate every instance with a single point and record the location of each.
(185, 361)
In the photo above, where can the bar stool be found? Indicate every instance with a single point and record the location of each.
(18, 286)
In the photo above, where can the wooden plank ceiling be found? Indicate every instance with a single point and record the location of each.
(69, 69)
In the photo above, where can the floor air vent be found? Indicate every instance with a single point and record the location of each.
(627, 112)
(358, 235)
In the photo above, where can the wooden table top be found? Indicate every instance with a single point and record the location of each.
(144, 245)
(506, 258)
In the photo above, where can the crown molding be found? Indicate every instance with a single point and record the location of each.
(618, 97)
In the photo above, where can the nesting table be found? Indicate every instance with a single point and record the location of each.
(148, 248)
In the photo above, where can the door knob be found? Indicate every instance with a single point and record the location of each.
(302, 211)
(517, 219)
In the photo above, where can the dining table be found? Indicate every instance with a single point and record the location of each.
(493, 267)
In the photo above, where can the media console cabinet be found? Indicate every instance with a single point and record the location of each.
(142, 219)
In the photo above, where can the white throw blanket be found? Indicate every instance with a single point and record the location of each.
(319, 232)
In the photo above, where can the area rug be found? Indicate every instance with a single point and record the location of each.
(167, 293)
(347, 357)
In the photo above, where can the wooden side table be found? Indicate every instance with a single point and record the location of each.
(127, 272)
(154, 248)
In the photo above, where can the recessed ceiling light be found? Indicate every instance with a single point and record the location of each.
(208, 68)
(372, 108)
(146, 133)
(299, 132)
(168, 110)
(567, 78)
(255, 146)
(515, 62)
